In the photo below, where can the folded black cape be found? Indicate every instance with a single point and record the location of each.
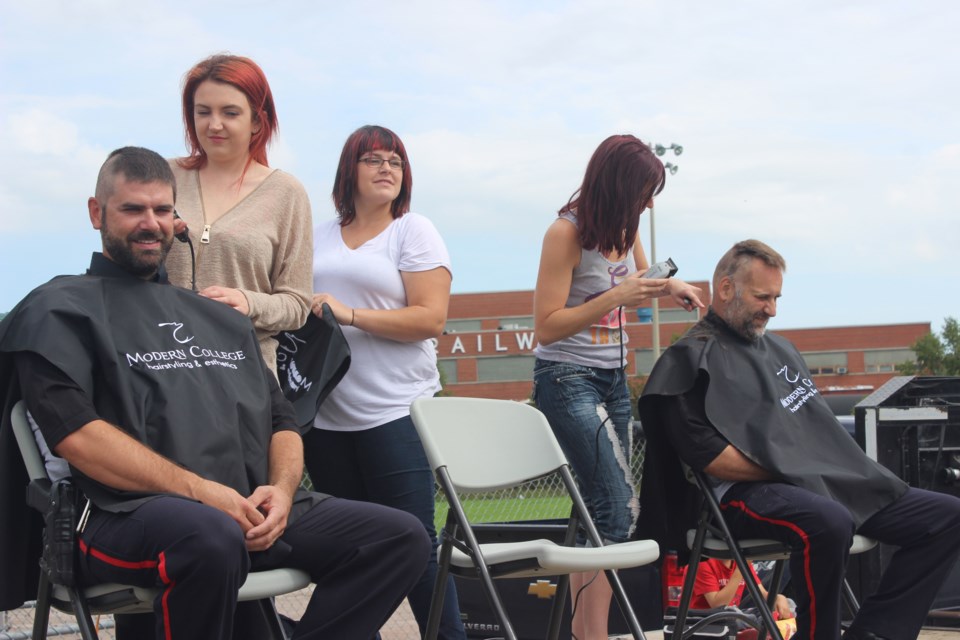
(311, 361)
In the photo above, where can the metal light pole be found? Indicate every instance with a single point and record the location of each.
(659, 149)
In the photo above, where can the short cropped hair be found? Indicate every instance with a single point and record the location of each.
(741, 254)
(621, 179)
(244, 75)
(365, 139)
(135, 164)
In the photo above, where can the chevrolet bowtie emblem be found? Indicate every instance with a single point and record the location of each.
(543, 589)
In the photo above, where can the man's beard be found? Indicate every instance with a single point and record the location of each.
(143, 264)
(748, 325)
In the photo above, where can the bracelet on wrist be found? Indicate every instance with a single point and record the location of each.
(353, 316)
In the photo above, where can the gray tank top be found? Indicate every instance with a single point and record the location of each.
(599, 344)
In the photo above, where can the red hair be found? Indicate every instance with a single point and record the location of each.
(364, 139)
(245, 75)
(621, 179)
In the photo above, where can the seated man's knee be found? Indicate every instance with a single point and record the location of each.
(412, 542)
(950, 508)
(834, 526)
(216, 544)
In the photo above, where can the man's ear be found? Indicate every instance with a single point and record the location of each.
(726, 289)
(96, 213)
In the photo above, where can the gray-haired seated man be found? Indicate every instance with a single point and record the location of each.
(739, 404)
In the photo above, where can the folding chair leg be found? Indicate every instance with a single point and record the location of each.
(559, 604)
(258, 619)
(621, 595)
(493, 598)
(82, 613)
(439, 588)
(41, 614)
(769, 626)
(774, 590)
(686, 594)
(436, 602)
(851, 599)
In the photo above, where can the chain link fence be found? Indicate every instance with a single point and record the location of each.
(537, 500)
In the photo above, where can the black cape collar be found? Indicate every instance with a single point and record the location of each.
(713, 321)
(101, 265)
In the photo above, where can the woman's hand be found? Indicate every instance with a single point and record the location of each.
(341, 312)
(428, 296)
(230, 297)
(634, 290)
(686, 295)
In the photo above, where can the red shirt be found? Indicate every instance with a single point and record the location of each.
(713, 576)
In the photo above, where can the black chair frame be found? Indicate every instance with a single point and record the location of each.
(711, 521)
(86, 601)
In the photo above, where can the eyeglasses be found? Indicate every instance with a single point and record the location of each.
(374, 162)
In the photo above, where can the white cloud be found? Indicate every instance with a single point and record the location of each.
(828, 129)
(39, 132)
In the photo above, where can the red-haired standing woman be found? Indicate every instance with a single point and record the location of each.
(590, 269)
(250, 224)
(385, 273)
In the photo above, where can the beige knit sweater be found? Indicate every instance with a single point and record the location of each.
(262, 246)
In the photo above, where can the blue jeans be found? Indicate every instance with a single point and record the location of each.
(386, 465)
(589, 411)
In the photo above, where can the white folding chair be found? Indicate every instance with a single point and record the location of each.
(476, 446)
(84, 602)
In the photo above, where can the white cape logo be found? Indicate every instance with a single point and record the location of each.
(177, 326)
(187, 358)
(295, 380)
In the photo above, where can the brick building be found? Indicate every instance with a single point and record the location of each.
(487, 348)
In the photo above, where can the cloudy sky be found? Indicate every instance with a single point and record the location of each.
(830, 130)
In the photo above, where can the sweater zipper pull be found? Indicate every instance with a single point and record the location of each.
(205, 237)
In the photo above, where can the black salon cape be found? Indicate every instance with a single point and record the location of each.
(181, 373)
(311, 361)
(762, 399)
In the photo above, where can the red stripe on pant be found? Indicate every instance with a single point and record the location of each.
(166, 595)
(737, 504)
(116, 562)
(160, 565)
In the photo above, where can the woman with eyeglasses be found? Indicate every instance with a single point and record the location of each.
(591, 272)
(249, 224)
(385, 273)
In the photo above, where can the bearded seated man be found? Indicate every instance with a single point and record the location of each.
(179, 436)
(739, 404)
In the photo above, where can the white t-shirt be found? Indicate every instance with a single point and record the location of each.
(385, 376)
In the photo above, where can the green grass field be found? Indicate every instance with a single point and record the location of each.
(508, 509)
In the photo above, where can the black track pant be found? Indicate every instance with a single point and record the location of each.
(924, 524)
(363, 557)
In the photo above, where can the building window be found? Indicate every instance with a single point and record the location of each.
(826, 363)
(457, 326)
(522, 322)
(503, 368)
(644, 360)
(679, 315)
(886, 360)
(448, 370)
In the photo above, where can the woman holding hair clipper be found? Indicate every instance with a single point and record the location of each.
(591, 267)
